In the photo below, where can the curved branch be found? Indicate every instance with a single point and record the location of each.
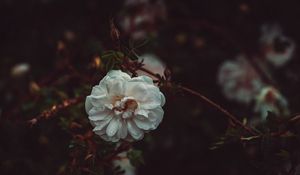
(218, 107)
(230, 116)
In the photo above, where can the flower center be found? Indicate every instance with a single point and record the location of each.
(130, 104)
(124, 106)
(116, 99)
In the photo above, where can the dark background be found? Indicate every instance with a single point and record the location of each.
(29, 31)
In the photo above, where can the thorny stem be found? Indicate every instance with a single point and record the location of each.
(220, 108)
(55, 109)
(207, 100)
(290, 122)
(149, 72)
(295, 119)
(125, 146)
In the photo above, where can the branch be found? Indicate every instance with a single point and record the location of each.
(230, 116)
(295, 119)
(55, 109)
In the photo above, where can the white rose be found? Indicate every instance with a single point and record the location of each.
(20, 69)
(239, 80)
(277, 48)
(121, 107)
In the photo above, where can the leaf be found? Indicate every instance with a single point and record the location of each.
(109, 65)
(111, 55)
(111, 59)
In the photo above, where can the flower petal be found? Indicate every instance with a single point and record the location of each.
(112, 127)
(99, 90)
(147, 95)
(122, 133)
(134, 131)
(141, 112)
(118, 74)
(88, 104)
(143, 123)
(97, 93)
(98, 97)
(116, 87)
(98, 101)
(163, 99)
(156, 116)
(114, 138)
(100, 132)
(127, 114)
(96, 114)
(143, 78)
(101, 124)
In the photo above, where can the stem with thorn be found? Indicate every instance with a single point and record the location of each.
(55, 109)
(218, 107)
(230, 116)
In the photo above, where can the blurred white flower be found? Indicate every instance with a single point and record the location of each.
(277, 48)
(124, 163)
(270, 100)
(239, 80)
(20, 69)
(152, 63)
(121, 107)
(142, 22)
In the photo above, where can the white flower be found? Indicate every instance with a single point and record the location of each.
(143, 22)
(239, 80)
(152, 63)
(270, 100)
(277, 48)
(20, 69)
(121, 107)
(124, 163)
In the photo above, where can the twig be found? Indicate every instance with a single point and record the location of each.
(289, 123)
(207, 100)
(218, 107)
(150, 73)
(295, 119)
(125, 146)
(55, 109)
